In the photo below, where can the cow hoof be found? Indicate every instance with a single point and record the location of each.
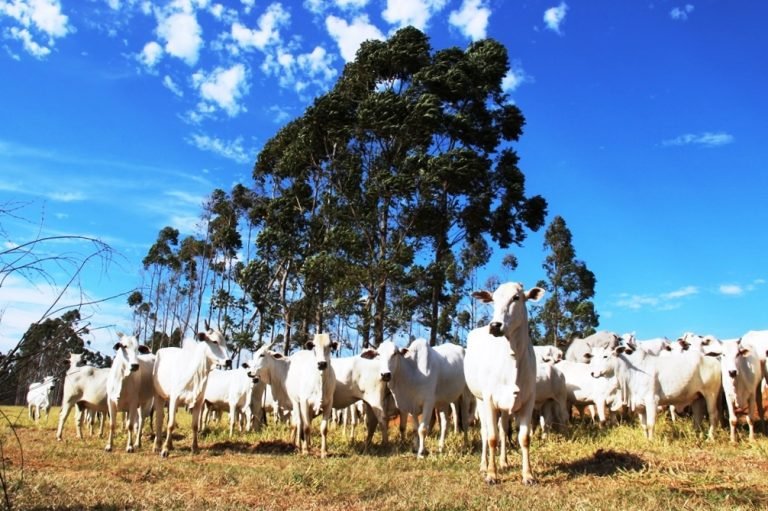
(491, 480)
(163, 454)
(108, 448)
(129, 449)
(529, 481)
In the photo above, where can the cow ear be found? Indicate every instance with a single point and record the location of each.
(484, 296)
(117, 346)
(369, 353)
(245, 365)
(144, 350)
(588, 356)
(620, 349)
(744, 352)
(534, 294)
(120, 335)
(309, 345)
(201, 336)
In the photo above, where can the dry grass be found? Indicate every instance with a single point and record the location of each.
(615, 469)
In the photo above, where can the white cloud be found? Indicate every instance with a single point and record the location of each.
(301, 70)
(471, 19)
(707, 139)
(349, 36)
(151, 54)
(662, 301)
(555, 16)
(37, 19)
(681, 13)
(321, 6)
(172, 86)
(417, 13)
(182, 35)
(268, 31)
(66, 196)
(232, 150)
(515, 77)
(223, 88)
(680, 293)
(279, 114)
(731, 289)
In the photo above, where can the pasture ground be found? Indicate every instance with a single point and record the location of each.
(590, 469)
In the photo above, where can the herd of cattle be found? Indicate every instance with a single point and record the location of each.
(499, 376)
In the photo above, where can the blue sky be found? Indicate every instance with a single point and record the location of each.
(646, 125)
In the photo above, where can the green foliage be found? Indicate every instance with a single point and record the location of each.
(568, 310)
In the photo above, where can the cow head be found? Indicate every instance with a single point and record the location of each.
(389, 357)
(49, 382)
(602, 361)
(216, 346)
(321, 346)
(259, 364)
(509, 312)
(127, 351)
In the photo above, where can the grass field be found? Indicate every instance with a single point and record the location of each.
(615, 469)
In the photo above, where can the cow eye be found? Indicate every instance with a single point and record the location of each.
(516, 298)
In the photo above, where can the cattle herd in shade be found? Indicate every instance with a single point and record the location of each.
(498, 377)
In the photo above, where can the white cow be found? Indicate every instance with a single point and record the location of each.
(551, 398)
(180, 377)
(500, 370)
(647, 381)
(272, 370)
(423, 379)
(86, 388)
(548, 354)
(759, 340)
(310, 383)
(358, 378)
(584, 389)
(129, 387)
(231, 391)
(39, 397)
(655, 346)
(741, 377)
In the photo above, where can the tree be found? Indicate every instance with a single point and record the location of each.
(568, 311)
(401, 161)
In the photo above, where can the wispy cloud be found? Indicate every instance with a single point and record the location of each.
(515, 77)
(732, 289)
(230, 149)
(662, 301)
(681, 13)
(706, 139)
(555, 16)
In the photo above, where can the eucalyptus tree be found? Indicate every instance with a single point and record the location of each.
(568, 310)
(471, 185)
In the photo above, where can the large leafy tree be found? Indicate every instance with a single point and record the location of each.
(568, 311)
(399, 163)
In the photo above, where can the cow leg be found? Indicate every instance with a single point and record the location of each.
(112, 408)
(101, 425)
(131, 426)
(159, 406)
(503, 433)
(232, 416)
(524, 439)
(697, 412)
(139, 426)
(712, 411)
(750, 410)
(759, 402)
(196, 411)
(326, 418)
(305, 426)
(63, 413)
(481, 411)
(444, 429)
(492, 436)
(423, 428)
(172, 405)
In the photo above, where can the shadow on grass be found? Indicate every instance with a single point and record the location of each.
(604, 463)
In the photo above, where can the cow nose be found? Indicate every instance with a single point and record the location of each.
(134, 367)
(322, 365)
(495, 329)
(386, 376)
(228, 364)
(732, 373)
